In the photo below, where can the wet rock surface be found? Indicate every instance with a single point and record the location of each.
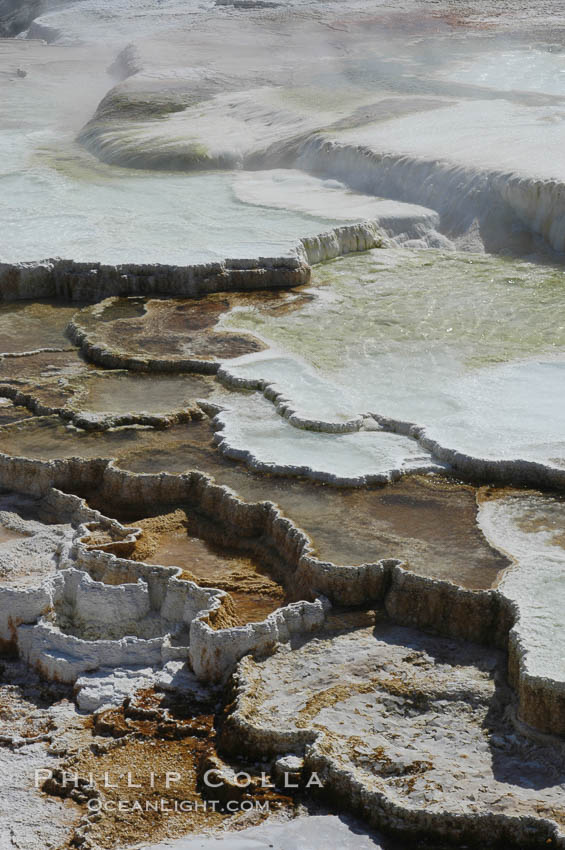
(176, 335)
(427, 522)
(172, 540)
(261, 519)
(32, 327)
(184, 567)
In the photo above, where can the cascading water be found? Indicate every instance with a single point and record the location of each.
(282, 352)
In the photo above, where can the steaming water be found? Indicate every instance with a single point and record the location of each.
(434, 341)
(141, 217)
(471, 347)
(57, 200)
(534, 70)
(95, 20)
(290, 189)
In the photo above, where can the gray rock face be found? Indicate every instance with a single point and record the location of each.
(413, 731)
(17, 15)
(94, 281)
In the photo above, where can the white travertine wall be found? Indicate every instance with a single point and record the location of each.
(487, 617)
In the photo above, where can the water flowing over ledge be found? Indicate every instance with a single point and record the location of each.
(92, 602)
(495, 203)
(74, 281)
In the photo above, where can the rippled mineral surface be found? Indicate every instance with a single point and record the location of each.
(282, 448)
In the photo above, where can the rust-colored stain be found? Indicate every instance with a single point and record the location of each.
(149, 736)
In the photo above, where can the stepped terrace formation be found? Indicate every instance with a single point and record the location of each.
(281, 425)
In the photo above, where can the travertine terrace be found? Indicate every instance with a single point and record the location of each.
(281, 409)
